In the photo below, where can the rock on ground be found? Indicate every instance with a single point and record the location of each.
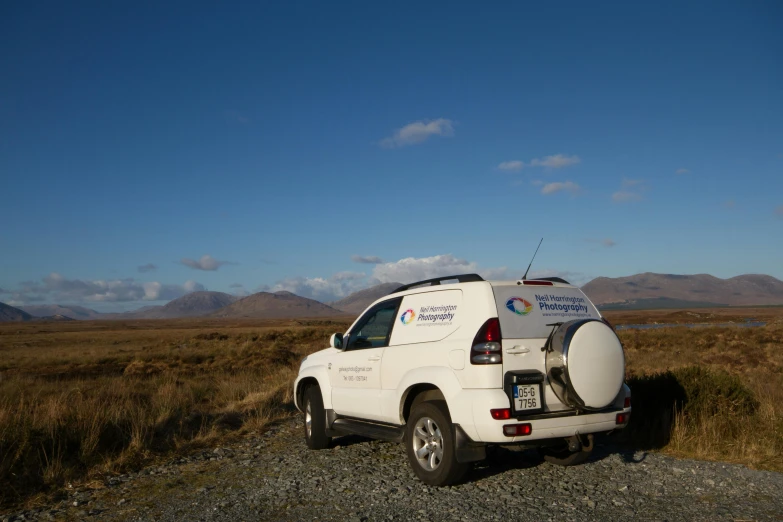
(275, 477)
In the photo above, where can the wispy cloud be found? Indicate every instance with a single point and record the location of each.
(556, 161)
(418, 132)
(682, 171)
(730, 204)
(623, 196)
(630, 190)
(149, 267)
(206, 262)
(58, 289)
(368, 260)
(324, 289)
(407, 270)
(236, 117)
(239, 290)
(779, 211)
(606, 242)
(511, 165)
(560, 186)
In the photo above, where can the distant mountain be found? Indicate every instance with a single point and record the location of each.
(8, 314)
(71, 311)
(651, 290)
(358, 301)
(194, 304)
(265, 305)
(56, 317)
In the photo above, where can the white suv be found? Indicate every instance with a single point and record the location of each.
(453, 368)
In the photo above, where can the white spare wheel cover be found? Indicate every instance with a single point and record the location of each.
(585, 364)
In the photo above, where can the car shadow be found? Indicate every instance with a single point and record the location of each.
(507, 458)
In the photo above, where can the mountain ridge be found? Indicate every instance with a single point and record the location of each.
(702, 289)
(356, 302)
(278, 305)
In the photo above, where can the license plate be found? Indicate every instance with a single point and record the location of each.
(527, 397)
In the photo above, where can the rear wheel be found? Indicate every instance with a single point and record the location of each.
(315, 419)
(429, 442)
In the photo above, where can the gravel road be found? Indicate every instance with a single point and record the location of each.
(275, 477)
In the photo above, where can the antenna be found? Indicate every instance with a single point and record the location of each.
(534, 256)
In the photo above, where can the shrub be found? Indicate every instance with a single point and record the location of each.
(692, 392)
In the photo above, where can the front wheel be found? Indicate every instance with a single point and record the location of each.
(315, 419)
(429, 442)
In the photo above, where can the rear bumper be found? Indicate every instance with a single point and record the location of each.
(479, 426)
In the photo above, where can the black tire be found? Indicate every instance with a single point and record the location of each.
(438, 465)
(315, 429)
(562, 456)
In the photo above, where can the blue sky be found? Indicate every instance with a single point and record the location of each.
(279, 140)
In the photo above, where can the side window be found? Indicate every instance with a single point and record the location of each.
(374, 328)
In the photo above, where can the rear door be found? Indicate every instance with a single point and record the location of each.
(526, 313)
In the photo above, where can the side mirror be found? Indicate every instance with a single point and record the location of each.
(336, 341)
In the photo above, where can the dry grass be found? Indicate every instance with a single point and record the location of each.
(81, 400)
(709, 393)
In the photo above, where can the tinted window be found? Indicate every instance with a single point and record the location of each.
(373, 329)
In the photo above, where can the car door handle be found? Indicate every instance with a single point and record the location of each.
(518, 349)
(374, 358)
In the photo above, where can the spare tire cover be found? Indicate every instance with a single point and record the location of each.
(585, 364)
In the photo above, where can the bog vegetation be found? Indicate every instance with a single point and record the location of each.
(82, 400)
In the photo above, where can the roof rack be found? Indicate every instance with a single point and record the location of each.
(553, 279)
(463, 278)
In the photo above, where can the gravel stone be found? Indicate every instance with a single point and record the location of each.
(273, 476)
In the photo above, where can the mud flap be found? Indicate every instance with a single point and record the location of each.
(465, 449)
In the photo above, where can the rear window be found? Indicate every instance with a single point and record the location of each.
(525, 311)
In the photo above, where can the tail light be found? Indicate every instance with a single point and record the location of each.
(627, 403)
(501, 413)
(486, 345)
(514, 430)
(623, 418)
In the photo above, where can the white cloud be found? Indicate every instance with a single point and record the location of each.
(622, 196)
(55, 288)
(511, 165)
(559, 186)
(368, 260)
(682, 171)
(416, 269)
(418, 132)
(555, 162)
(631, 190)
(407, 270)
(628, 183)
(206, 262)
(149, 267)
(320, 288)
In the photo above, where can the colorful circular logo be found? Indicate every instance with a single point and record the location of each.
(519, 306)
(408, 316)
